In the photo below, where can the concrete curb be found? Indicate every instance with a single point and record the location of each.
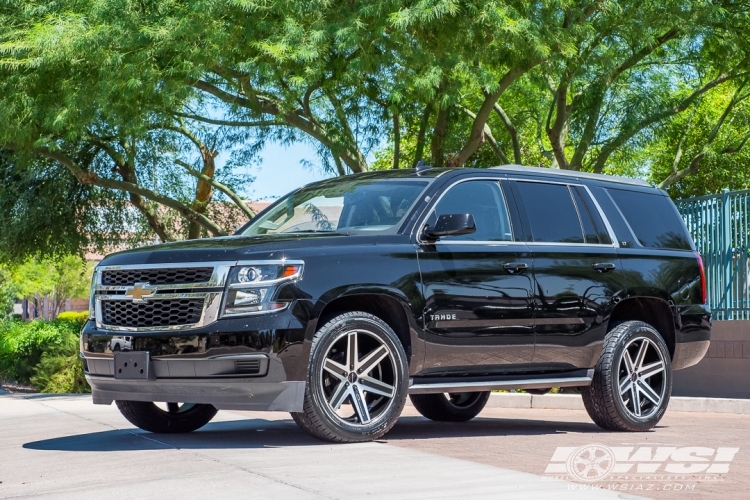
(574, 402)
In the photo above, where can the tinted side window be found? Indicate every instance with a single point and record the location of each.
(484, 200)
(552, 215)
(653, 219)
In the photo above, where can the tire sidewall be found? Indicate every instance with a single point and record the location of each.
(636, 331)
(328, 335)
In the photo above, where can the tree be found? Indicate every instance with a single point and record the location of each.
(139, 98)
(58, 280)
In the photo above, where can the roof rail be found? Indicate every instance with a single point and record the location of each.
(422, 166)
(573, 173)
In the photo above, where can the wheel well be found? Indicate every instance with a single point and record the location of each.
(653, 311)
(384, 307)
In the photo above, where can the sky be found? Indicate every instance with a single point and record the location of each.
(281, 170)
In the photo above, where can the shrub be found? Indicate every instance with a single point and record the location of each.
(44, 353)
(75, 316)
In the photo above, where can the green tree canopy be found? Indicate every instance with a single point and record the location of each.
(136, 100)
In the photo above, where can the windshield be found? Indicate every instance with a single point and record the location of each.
(341, 206)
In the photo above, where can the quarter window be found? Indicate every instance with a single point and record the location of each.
(484, 200)
(653, 219)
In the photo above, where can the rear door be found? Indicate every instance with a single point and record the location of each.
(478, 314)
(577, 272)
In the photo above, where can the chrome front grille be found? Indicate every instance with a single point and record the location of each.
(159, 297)
(157, 276)
(166, 312)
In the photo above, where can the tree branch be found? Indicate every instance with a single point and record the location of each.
(91, 178)
(511, 131)
(630, 131)
(230, 123)
(477, 128)
(218, 185)
(490, 138)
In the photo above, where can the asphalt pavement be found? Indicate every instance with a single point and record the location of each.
(65, 447)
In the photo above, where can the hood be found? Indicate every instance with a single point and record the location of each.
(230, 248)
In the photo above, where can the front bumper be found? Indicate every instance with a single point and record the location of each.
(228, 394)
(253, 363)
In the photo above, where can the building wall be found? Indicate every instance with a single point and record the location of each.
(725, 371)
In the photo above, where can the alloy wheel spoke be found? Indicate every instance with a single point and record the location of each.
(641, 356)
(629, 368)
(647, 391)
(337, 370)
(351, 350)
(339, 396)
(625, 385)
(370, 361)
(375, 386)
(173, 407)
(651, 370)
(360, 405)
(635, 399)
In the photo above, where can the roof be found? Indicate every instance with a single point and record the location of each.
(574, 174)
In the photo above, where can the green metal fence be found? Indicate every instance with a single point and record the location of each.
(719, 225)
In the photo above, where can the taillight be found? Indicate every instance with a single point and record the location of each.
(704, 292)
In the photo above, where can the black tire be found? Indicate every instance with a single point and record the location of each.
(318, 417)
(603, 400)
(179, 419)
(454, 407)
(117, 347)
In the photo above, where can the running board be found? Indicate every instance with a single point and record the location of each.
(434, 385)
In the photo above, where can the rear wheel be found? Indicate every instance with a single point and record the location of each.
(450, 407)
(632, 380)
(166, 418)
(357, 380)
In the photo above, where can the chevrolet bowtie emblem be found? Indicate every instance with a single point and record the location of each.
(139, 292)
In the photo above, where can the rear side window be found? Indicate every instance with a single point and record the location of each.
(652, 218)
(552, 215)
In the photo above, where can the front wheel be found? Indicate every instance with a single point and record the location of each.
(176, 418)
(450, 407)
(632, 381)
(357, 380)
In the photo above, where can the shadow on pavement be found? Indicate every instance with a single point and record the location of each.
(254, 433)
(421, 428)
(258, 433)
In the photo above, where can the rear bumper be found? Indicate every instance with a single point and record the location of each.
(689, 353)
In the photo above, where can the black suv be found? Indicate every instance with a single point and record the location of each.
(345, 296)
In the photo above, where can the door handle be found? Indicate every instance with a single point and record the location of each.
(603, 267)
(515, 267)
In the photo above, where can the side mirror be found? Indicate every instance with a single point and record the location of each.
(450, 225)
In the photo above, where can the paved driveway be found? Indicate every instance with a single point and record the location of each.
(65, 447)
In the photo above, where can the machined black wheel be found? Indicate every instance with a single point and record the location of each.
(632, 380)
(450, 407)
(357, 380)
(166, 418)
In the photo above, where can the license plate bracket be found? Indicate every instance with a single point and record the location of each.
(132, 365)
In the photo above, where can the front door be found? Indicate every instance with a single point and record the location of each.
(478, 314)
(577, 272)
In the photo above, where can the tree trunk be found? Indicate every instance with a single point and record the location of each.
(419, 152)
(203, 191)
(438, 139)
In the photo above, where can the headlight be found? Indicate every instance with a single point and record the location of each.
(92, 296)
(251, 288)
